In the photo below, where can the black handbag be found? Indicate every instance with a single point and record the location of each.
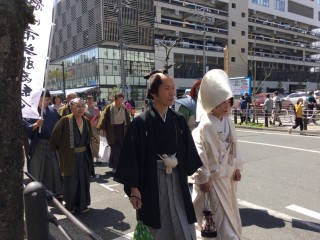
(208, 226)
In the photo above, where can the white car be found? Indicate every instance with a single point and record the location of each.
(293, 97)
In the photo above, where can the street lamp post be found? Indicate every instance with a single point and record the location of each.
(63, 80)
(204, 51)
(63, 76)
(204, 19)
(121, 48)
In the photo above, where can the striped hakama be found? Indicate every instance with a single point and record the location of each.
(174, 224)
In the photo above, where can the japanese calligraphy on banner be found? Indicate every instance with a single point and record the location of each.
(36, 42)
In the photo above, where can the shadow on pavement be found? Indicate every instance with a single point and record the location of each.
(108, 223)
(260, 218)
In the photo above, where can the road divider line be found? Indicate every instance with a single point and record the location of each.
(280, 133)
(304, 211)
(278, 146)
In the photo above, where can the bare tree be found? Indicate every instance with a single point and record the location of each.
(266, 73)
(15, 15)
(168, 50)
(252, 67)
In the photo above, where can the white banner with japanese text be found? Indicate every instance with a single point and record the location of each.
(36, 42)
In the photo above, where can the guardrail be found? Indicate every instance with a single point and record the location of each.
(285, 115)
(36, 198)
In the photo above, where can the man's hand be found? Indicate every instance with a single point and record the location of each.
(38, 124)
(135, 198)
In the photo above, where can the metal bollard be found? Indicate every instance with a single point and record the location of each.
(36, 208)
(266, 118)
(305, 119)
(235, 116)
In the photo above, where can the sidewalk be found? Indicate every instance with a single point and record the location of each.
(312, 129)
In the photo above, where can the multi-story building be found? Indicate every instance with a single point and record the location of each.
(274, 41)
(94, 44)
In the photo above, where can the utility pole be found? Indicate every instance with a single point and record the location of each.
(226, 60)
(121, 48)
(63, 76)
(204, 50)
(204, 43)
(63, 80)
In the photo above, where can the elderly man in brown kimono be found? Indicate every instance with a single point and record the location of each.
(72, 136)
(113, 124)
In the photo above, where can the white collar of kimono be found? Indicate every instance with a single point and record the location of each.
(164, 117)
(214, 89)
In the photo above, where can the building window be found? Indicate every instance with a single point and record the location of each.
(280, 5)
(318, 2)
(243, 33)
(264, 3)
(243, 50)
(233, 24)
(233, 5)
(233, 41)
(318, 16)
(243, 15)
(233, 59)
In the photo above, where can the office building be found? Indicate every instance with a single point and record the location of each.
(274, 41)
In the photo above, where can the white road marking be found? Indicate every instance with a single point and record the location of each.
(266, 132)
(304, 211)
(109, 188)
(279, 214)
(278, 146)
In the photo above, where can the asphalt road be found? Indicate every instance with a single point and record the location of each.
(278, 195)
(281, 176)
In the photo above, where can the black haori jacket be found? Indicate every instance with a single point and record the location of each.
(138, 165)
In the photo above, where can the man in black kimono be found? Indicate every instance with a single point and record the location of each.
(157, 156)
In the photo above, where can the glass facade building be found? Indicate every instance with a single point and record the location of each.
(100, 67)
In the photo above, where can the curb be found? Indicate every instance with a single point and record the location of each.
(306, 132)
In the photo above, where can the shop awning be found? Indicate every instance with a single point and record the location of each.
(80, 90)
(76, 90)
(56, 92)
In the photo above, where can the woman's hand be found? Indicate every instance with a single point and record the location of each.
(237, 175)
(205, 187)
(135, 198)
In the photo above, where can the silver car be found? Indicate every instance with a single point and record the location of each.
(293, 97)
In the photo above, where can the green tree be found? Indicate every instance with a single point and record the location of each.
(15, 15)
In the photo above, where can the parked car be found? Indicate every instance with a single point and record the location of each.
(261, 97)
(293, 97)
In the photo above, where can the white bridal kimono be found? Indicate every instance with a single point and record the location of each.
(216, 144)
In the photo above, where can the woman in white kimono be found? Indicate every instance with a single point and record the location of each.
(216, 142)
